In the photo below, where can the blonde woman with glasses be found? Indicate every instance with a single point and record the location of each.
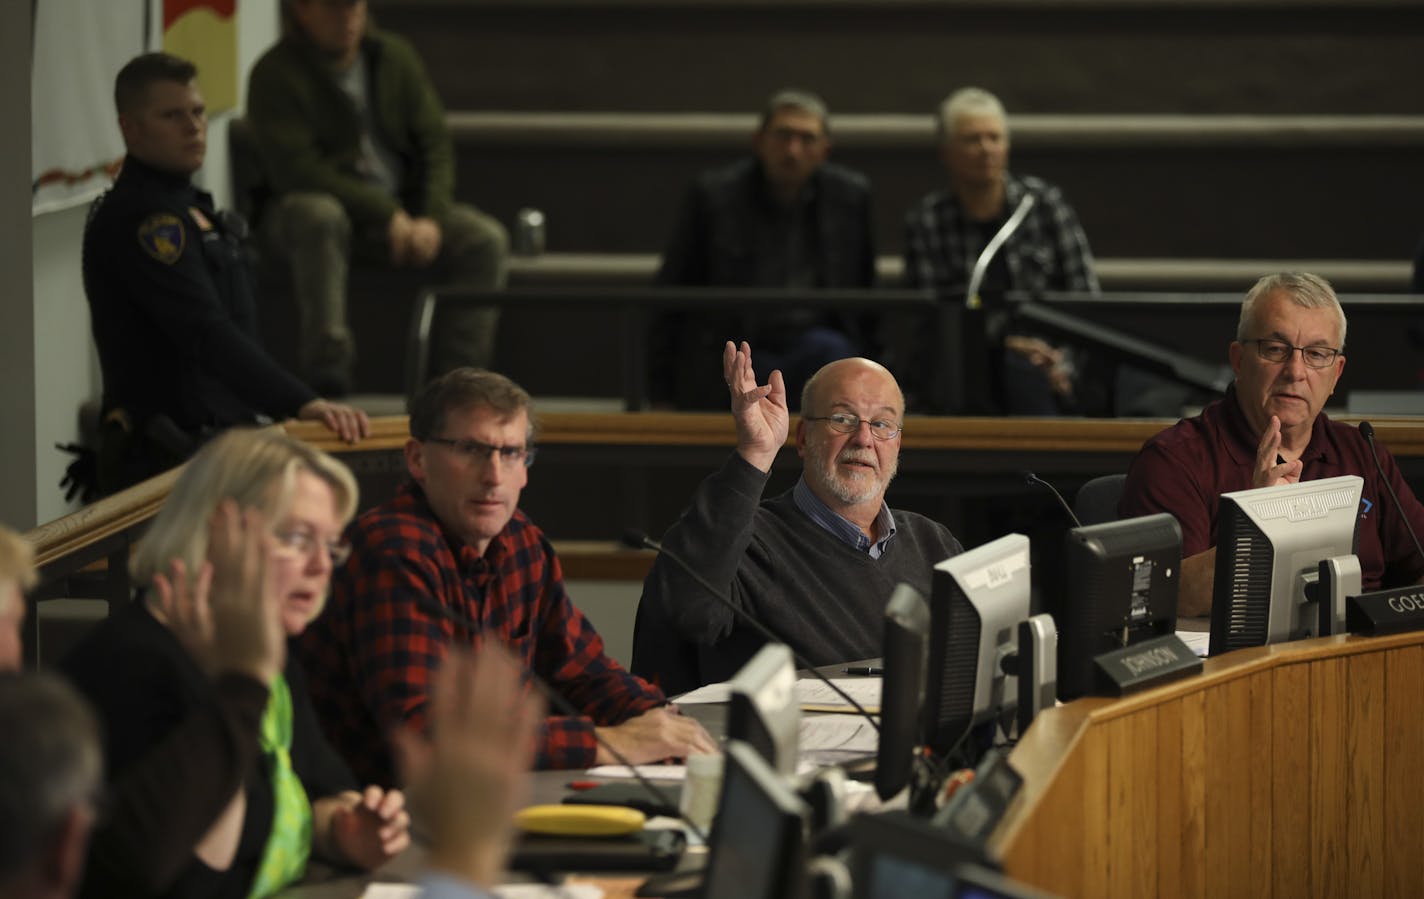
(221, 782)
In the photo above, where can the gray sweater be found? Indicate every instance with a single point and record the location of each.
(821, 596)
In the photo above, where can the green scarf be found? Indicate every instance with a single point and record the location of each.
(284, 858)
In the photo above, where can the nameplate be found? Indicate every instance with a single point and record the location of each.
(1142, 665)
(1392, 611)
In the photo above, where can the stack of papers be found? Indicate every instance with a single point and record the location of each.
(812, 694)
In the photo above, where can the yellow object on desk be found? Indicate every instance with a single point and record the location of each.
(580, 820)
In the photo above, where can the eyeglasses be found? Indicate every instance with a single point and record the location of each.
(475, 451)
(785, 135)
(302, 542)
(849, 423)
(1279, 351)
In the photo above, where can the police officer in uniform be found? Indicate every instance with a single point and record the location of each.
(170, 294)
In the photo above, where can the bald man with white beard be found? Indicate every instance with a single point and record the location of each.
(816, 564)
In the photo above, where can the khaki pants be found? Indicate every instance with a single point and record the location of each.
(311, 232)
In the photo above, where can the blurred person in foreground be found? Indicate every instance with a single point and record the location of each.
(17, 574)
(51, 771)
(467, 779)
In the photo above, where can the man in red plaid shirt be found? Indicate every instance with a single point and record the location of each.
(450, 559)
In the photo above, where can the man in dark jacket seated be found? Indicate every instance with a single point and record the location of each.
(784, 218)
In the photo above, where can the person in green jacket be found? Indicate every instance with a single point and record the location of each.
(353, 140)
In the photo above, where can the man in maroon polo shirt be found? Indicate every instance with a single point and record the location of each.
(1269, 429)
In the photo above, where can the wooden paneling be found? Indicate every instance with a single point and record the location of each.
(1193, 792)
(1327, 763)
(1094, 808)
(1256, 740)
(1171, 831)
(1363, 773)
(1282, 771)
(1290, 804)
(1404, 785)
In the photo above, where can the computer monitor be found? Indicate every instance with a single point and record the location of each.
(1119, 588)
(977, 601)
(902, 693)
(762, 711)
(758, 845)
(895, 854)
(1269, 545)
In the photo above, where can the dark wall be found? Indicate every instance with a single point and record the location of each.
(1334, 198)
(1071, 56)
(1360, 202)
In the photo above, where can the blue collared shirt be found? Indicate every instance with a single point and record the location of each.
(842, 528)
(435, 885)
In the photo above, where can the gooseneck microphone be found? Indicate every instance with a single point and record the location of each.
(1369, 431)
(639, 540)
(981, 265)
(430, 606)
(1034, 480)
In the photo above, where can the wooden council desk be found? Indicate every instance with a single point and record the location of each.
(1283, 771)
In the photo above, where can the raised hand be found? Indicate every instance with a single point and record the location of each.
(468, 778)
(1268, 472)
(180, 601)
(246, 634)
(763, 420)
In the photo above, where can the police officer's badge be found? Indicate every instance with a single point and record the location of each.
(161, 236)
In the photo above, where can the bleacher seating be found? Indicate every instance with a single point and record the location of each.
(1201, 143)
(1256, 130)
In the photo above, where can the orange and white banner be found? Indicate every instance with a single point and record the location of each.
(205, 33)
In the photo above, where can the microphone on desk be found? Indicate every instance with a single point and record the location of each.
(640, 540)
(1034, 480)
(431, 607)
(1369, 431)
(981, 265)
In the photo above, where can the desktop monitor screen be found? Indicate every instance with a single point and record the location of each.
(763, 711)
(1120, 588)
(757, 848)
(895, 854)
(977, 601)
(903, 651)
(1269, 545)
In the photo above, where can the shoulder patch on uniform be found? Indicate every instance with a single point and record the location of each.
(161, 235)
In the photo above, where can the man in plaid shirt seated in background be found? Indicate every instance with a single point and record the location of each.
(452, 559)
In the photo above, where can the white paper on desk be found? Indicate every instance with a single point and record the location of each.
(665, 772)
(651, 772)
(864, 690)
(837, 733)
(504, 891)
(711, 693)
(1197, 641)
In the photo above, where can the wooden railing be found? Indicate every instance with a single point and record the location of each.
(85, 553)
(1404, 436)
